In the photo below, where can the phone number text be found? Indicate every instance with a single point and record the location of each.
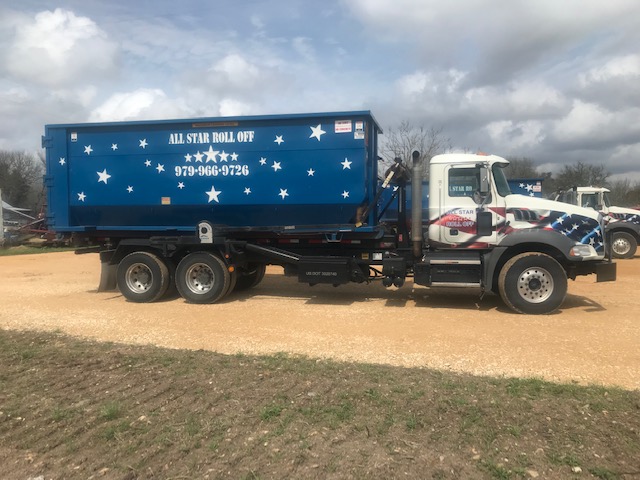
(212, 171)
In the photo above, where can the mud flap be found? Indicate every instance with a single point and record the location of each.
(107, 277)
(606, 272)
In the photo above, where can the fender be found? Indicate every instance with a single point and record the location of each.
(519, 237)
(633, 228)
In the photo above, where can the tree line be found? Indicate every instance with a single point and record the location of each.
(402, 140)
(21, 179)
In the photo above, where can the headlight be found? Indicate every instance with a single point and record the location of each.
(581, 250)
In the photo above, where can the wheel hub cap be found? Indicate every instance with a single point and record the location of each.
(535, 285)
(621, 246)
(200, 278)
(139, 278)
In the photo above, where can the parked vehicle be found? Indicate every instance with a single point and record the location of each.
(205, 204)
(622, 223)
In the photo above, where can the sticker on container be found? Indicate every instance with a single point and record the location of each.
(74, 136)
(359, 133)
(343, 126)
(165, 200)
(537, 187)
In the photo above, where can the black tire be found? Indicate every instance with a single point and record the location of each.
(623, 245)
(142, 277)
(533, 283)
(172, 291)
(251, 277)
(202, 278)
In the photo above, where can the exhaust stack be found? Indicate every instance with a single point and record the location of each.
(416, 205)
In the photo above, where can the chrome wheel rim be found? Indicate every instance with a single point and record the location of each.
(535, 285)
(139, 278)
(200, 278)
(621, 246)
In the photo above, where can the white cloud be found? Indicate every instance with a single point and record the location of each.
(230, 107)
(141, 104)
(516, 136)
(234, 71)
(59, 48)
(627, 66)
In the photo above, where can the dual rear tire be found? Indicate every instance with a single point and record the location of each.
(200, 277)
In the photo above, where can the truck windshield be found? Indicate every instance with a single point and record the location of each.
(607, 202)
(502, 185)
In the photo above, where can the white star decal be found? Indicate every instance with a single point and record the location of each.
(130, 189)
(180, 185)
(529, 187)
(278, 139)
(114, 146)
(234, 157)
(103, 176)
(317, 132)
(223, 156)
(346, 164)
(143, 143)
(88, 149)
(310, 172)
(147, 163)
(276, 166)
(522, 185)
(187, 158)
(213, 194)
(81, 196)
(62, 161)
(211, 155)
(283, 193)
(263, 161)
(160, 168)
(198, 156)
(247, 191)
(345, 194)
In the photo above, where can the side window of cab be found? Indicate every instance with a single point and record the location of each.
(465, 182)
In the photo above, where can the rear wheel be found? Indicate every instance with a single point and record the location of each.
(624, 245)
(142, 277)
(202, 278)
(252, 277)
(532, 283)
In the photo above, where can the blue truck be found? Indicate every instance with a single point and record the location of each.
(202, 206)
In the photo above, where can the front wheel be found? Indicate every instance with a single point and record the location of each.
(202, 278)
(623, 245)
(142, 277)
(532, 283)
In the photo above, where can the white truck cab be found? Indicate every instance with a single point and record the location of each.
(623, 223)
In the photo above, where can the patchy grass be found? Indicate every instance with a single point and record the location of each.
(77, 409)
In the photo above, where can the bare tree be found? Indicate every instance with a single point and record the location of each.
(521, 167)
(624, 193)
(20, 178)
(403, 140)
(582, 175)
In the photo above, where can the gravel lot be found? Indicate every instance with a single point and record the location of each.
(593, 339)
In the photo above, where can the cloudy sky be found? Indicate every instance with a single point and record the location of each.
(555, 81)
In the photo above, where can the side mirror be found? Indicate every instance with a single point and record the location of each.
(484, 181)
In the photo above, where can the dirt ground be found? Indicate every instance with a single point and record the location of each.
(593, 339)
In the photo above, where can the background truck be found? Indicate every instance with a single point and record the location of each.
(622, 223)
(204, 205)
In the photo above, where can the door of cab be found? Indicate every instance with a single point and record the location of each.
(470, 202)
